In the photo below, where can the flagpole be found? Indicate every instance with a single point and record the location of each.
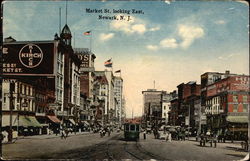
(90, 42)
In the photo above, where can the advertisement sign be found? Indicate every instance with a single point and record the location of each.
(28, 59)
(84, 59)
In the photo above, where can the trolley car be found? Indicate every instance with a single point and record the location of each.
(132, 131)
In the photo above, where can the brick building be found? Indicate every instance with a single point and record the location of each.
(227, 105)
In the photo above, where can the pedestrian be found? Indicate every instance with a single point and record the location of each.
(101, 133)
(62, 134)
(109, 131)
(66, 132)
(169, 137)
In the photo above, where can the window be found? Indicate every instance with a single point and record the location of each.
(24, 89)
(31, 92)
(132, 127)
(137, 128)
(20, 91)
(245, 107)
(235, 108)
(244, 98)
(235, 98)
(164, 107)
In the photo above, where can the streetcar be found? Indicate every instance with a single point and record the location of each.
(132, 131)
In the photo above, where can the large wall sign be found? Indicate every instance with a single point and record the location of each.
(29, 59)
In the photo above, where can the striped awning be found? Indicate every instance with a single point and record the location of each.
(53, 119)
(237, 119)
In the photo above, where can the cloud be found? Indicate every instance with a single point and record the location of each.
(228, 56)
(106, 37)
(189, 34)
(154, 28)
(220, 22)
(140, 28)
(152, 47)
(129, 27)
(169, 43)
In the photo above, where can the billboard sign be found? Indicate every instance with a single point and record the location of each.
(84, 59)
(28, 59)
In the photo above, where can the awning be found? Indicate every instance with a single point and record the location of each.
(237, 119)
(242, 129)
(86, 123)
(72, 121)
(53, 119)
(28, 121)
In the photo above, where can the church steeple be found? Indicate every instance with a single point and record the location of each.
(66, 35)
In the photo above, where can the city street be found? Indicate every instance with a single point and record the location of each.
(89, 146)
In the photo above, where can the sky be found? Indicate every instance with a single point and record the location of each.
(169, 42)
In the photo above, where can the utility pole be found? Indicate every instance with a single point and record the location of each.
(188, 119)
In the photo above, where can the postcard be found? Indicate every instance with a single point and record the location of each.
(125, 80)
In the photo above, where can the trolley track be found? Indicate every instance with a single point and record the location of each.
(98, 150)
(139, 153)
(116, 148)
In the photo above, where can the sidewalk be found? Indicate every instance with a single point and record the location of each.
(45, 136)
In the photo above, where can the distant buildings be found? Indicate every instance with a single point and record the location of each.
(156, 107)
(219, 105)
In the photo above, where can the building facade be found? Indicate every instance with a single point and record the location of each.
(227, 106)
(152, 101)
(118, 93)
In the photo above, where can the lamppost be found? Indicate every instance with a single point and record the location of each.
(188, 119)
(12, 88)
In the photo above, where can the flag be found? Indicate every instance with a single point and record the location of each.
(87, 33)
(118, 71)
(108, 63)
